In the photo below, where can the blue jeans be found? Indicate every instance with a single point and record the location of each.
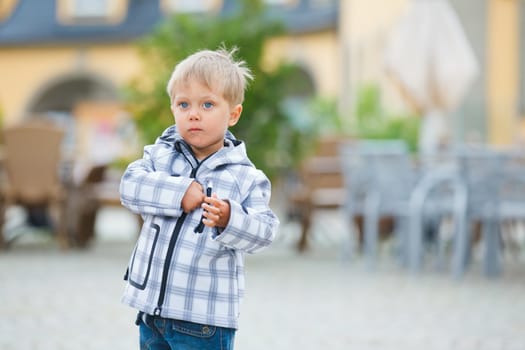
(158, 333)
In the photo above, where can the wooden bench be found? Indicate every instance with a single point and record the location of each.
(321, 187)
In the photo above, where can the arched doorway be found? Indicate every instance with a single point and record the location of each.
(299, 91)
(62, 94)
(90, 111)
(63, 100)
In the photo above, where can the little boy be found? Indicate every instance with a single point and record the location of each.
(204, 205)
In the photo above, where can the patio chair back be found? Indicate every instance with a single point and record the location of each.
(371, 165)
(32, 157)
(319, 186)
(32, 160)
(482, 169)
(378, 178)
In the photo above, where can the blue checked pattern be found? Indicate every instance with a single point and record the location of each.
(174, 272)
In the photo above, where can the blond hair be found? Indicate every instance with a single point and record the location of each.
(218, 70)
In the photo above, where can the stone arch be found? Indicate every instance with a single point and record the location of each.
(301, 84)
(57, 100)
(62, 93)
(299, 90)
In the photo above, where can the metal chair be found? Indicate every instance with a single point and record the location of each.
(379, 177)
(483, 171)
(32, 157)
(512, 204)
(480, 187)
(439, 194)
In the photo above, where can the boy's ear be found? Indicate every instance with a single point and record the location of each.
(235, 114)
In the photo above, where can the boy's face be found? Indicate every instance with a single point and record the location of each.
(202, 116)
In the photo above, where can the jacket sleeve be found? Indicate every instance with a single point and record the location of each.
(144, 190)
(253, 225)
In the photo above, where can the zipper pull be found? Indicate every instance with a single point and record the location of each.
(209, 189)
(200, 227)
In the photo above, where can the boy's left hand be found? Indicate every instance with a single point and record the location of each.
(216, 212)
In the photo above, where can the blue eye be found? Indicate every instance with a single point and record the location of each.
(183, 105)
(207, 105)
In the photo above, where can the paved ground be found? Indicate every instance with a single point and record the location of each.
(70, 300)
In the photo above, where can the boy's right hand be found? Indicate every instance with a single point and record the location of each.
(193, 197)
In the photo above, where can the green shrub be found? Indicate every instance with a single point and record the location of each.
(372, 122)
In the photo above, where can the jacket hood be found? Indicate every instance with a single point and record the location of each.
(234, 150)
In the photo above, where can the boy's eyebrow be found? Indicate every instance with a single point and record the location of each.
(203, 97)
(211, 97)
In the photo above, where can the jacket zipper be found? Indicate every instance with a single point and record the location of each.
(169, 254)
(167, 264)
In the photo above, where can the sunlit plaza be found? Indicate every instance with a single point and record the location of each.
(55, 299)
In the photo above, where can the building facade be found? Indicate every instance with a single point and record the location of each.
(70, 58)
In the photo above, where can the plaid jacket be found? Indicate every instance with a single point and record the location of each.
(173, 271)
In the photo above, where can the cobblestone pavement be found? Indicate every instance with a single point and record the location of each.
(51, 299)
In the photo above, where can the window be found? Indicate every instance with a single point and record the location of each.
(74, 12)
(90, 8)
(192, 6)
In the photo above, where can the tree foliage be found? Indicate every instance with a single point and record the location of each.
(273, 141)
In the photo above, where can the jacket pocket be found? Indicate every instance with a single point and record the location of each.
(140, 266)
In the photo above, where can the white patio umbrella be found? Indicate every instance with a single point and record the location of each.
(430, 58)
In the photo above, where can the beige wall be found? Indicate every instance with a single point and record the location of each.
(364, 27)
(503, 72)
(23, 71)
(339, 62)
(26, 71)
(317, 53)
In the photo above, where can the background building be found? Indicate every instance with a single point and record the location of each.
(69, 59)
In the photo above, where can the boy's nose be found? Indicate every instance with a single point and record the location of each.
(194, 114)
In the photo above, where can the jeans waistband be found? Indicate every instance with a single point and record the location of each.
(144, 317)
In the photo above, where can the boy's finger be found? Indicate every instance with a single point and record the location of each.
(213, 200)
(212, 197)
